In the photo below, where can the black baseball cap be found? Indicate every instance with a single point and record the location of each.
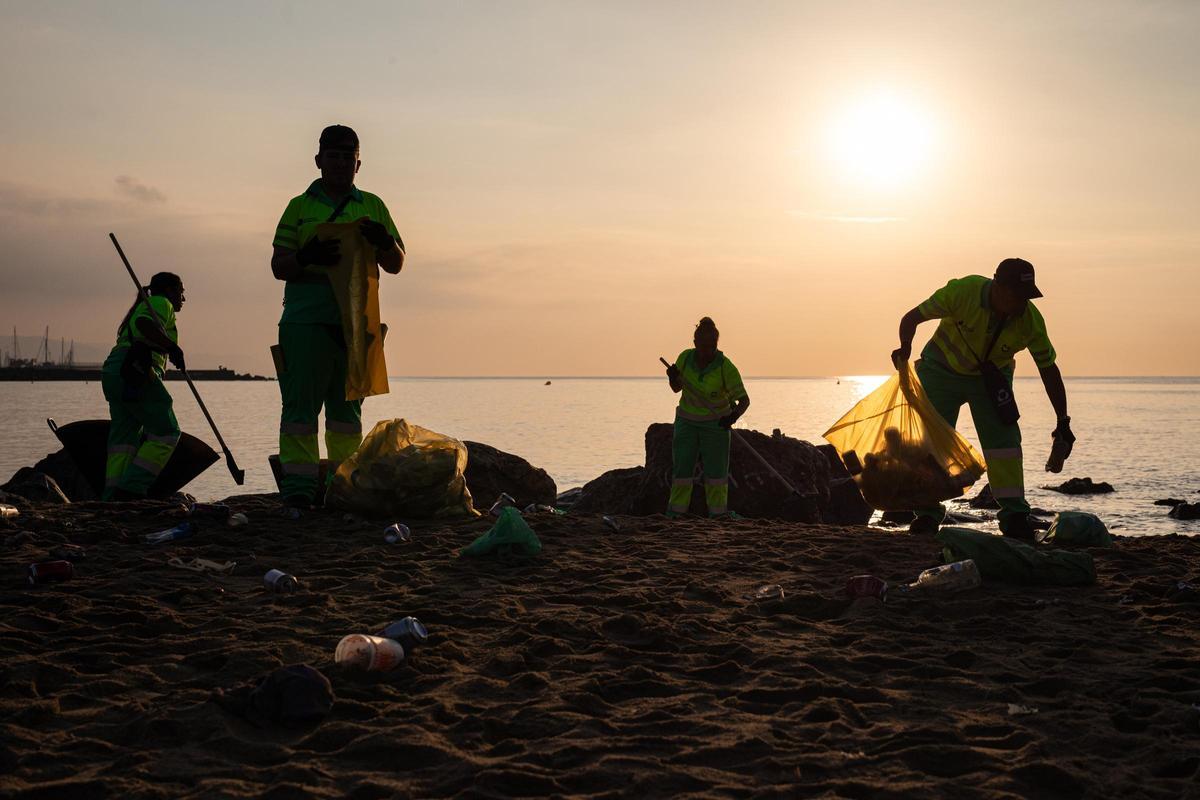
(338, 135)
(1017, 274)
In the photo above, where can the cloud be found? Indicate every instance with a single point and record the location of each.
(132, 187)
(844, 218)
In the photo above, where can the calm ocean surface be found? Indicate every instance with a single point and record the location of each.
(1140, 434)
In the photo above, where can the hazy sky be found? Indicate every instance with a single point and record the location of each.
(577, 183)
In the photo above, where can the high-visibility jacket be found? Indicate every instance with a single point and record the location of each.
(968, 324)
(720, 382)
(130, 332)
(309, 299)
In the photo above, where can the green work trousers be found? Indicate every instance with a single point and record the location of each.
(314, 375)
(710, 442)
(142, 433)
(1001, 443)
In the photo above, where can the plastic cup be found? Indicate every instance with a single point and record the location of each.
(369, 653)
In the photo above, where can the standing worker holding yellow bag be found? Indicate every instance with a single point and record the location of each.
(330, 342)
(970, 359)
(701, 431)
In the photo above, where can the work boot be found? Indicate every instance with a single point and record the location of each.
(1019, 527)
(924, 525)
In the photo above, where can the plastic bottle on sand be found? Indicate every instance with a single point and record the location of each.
(184, 530)
(948, 578)
(370, 653)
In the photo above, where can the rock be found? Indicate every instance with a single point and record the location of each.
(614, 493)
(567, 500)
(61, 467)
(753, 490)
(984, 499)
(35, 486)
(846, 504)
(1170, 501)
(1185, 511)
(1081, 486)
(491, 472)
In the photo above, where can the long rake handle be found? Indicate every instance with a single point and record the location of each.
(239, 475)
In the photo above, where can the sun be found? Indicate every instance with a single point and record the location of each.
(881, 141)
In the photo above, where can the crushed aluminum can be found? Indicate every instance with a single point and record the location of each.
(409, 632)
(47, 571)
(866, 586)
(502, 502)
(237, 520)
(397, 533)
(611, 523)
(768, 592)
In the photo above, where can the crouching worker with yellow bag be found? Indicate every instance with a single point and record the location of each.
(329, 246)
(970, 359)
(143, 431)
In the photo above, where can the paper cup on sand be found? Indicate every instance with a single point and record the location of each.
(370, 653)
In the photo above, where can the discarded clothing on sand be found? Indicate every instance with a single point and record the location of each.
(1002, 559)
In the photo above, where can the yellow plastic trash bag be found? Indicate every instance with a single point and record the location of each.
(901, 452)
(355, 282)
(403, 470)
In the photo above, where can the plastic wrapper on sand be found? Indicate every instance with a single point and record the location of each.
(902, 454)
(403, 470)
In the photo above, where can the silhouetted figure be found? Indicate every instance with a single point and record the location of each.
(143, 431)
(711, 400)
(970, 359)
(310, 331)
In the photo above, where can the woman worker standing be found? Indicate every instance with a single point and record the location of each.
(712, 399)
(143, 432)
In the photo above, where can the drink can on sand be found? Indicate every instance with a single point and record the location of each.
(9, 511)
(237, 520)
(866, 586)
(768, 592)
(397, 533)
(611, 523)
(48, 571)
(502, 502)
(277, 580)
(181, 531)
(369, 653)
(409, 632)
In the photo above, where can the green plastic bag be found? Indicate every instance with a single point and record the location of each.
(511, 533)
(1008, 561)
(1080, 529)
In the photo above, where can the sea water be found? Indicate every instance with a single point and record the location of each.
(1139, 434)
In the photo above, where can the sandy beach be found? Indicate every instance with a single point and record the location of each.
(613, 664)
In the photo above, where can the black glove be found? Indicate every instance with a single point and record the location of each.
(900, 355)
(673, 372)
(175, 356)
(319, 253)
(375, 233)
(727, 421)
(1063, 431)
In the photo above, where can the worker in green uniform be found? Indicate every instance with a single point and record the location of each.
(711, 399)
(311, 342)
(986, 320)
(142, 431)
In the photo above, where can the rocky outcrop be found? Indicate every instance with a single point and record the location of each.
(492, 472)
(1081, 486)
(753, 492)
(61, 467)
(1185, 511)
(35, 487)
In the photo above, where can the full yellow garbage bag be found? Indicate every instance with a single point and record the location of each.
(355, 281)
(403, 470)
(901, 452)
